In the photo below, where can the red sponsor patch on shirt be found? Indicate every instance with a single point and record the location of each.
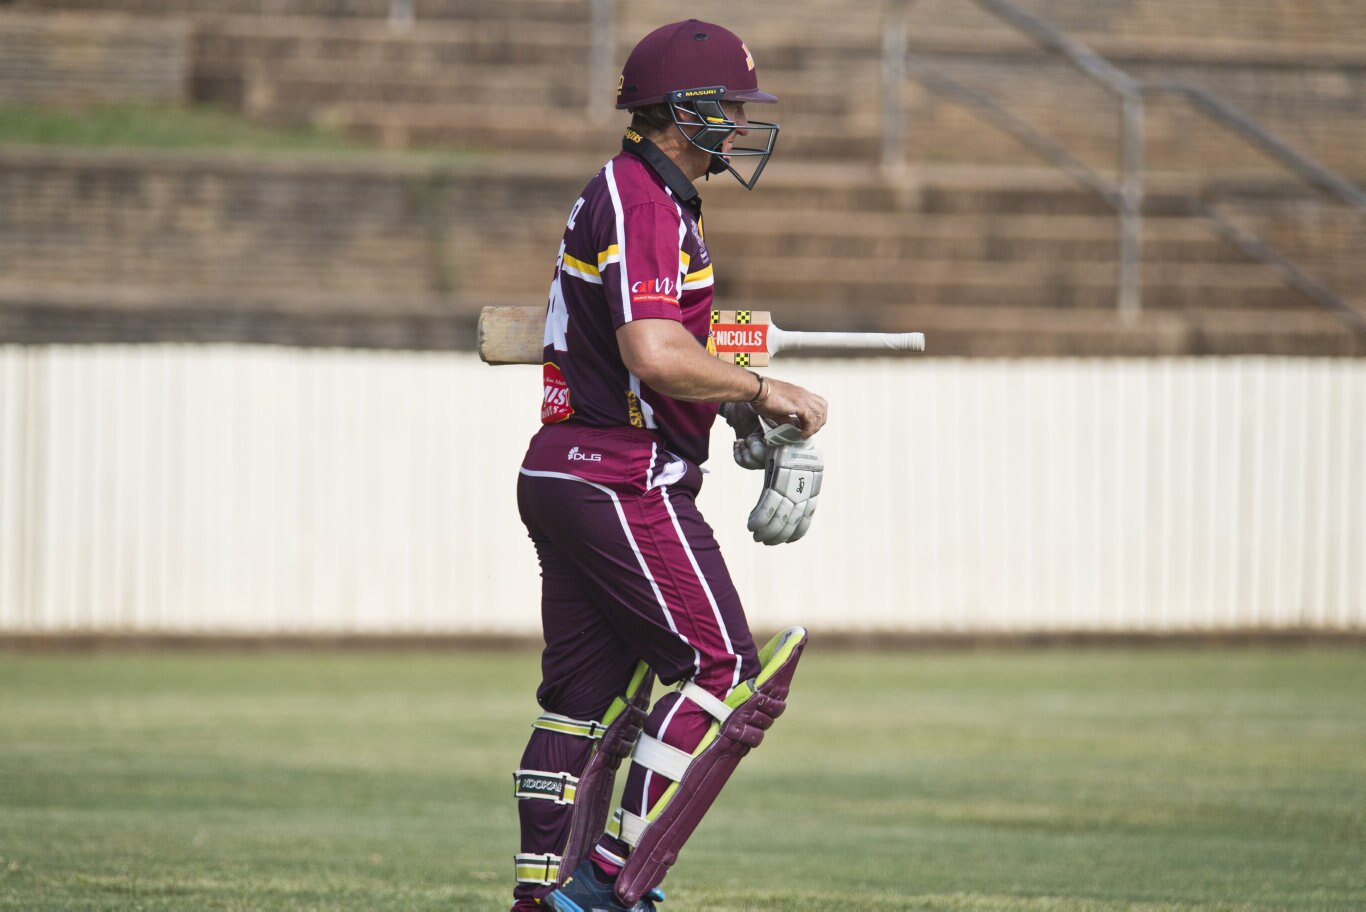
(555, 405)
(652, 291)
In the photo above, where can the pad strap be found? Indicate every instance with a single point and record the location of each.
(554, 722)
(556, 787)
(665, 759)
(714, 705)
(627, 827)
(542, 870)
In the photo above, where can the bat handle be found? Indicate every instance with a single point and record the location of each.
(790, 340)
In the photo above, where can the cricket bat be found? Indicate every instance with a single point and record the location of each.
(515, 335)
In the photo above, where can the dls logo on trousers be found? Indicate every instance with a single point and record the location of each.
(577, 455)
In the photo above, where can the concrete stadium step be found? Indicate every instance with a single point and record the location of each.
(392, 230)
(232, 41)
(1311, 331)
(823, 118)
(1073, 285)
(803, 186)
(300, 90)
(529, 85)
(914, 236)
(438, 10)
(762, 22)
(1212, 23)
(56, 314)
(472, 127)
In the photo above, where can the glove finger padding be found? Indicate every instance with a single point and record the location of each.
(792, 481)
(751, 452)
(805, 522)
(741, 417)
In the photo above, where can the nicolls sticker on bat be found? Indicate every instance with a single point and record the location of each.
(728, 338)
(555, 405)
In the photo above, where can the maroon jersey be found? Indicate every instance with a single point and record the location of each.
(632, 250)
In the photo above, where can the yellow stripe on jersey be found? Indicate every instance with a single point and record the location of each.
(700, 279)
(586, 271)
(610, 255)
(684, 258)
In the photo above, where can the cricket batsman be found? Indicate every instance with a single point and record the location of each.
(634, 587)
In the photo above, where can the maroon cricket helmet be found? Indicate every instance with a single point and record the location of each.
(689, 55)
(693, 67)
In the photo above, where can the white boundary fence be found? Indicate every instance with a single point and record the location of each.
(240, 489)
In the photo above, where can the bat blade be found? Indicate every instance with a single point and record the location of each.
(512, 335)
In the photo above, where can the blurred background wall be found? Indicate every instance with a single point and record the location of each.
(243, 245)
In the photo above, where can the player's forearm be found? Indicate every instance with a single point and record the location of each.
(668, 359)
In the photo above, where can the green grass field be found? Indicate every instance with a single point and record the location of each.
(188, 128)
(995, 780)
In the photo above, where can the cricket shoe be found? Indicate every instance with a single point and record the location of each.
(586, 892)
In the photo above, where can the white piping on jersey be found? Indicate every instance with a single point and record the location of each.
(635, 549)
(647, 411)
(701, 578)
(557, 315)
(611, 255)
(702, 278)
(587, 271)
(610, 173)
(683, 258)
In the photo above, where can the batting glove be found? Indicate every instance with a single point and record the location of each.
(750, 450)
(792, 483)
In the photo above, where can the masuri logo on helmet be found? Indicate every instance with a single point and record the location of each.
(693, 66)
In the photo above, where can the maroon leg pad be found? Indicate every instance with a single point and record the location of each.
(659, 844)
(593, 795)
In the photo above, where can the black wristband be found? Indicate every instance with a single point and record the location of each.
(763, 390)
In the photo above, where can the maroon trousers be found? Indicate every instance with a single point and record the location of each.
(629, 570)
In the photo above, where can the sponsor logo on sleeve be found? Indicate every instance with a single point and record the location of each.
(661, 290)
(555, 405)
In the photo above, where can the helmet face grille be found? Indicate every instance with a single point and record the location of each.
(709, 126)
